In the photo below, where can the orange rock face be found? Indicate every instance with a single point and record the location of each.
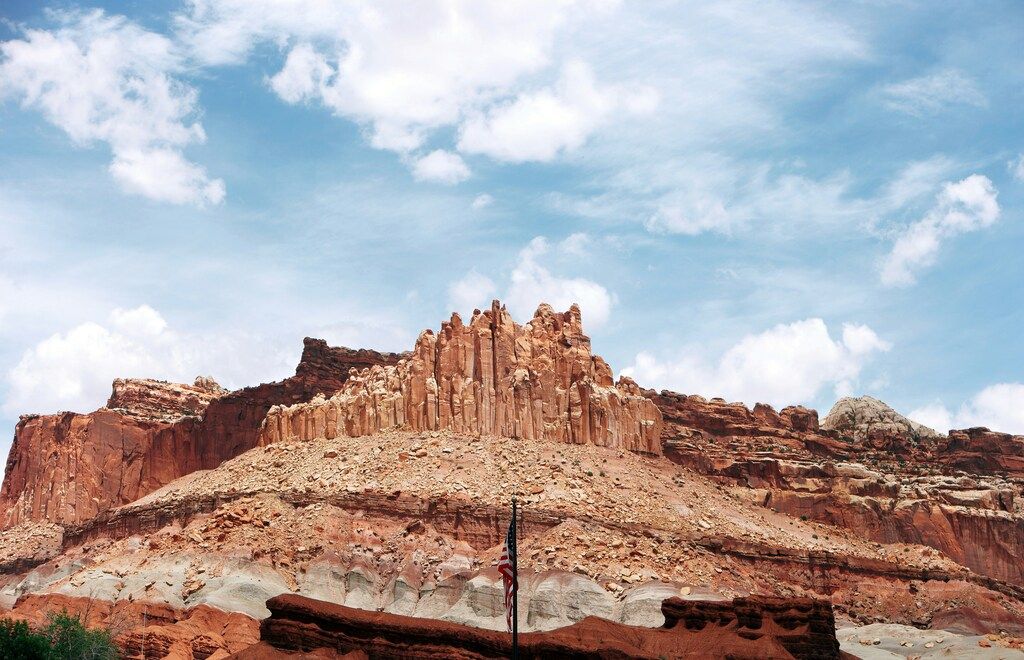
(160, 400)
(69, 467)
(492, 377)
(150, 630)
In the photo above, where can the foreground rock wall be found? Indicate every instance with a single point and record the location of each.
(756, 627)
(69, 467)
(491, 377)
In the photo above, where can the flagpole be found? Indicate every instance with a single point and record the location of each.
(515, 585)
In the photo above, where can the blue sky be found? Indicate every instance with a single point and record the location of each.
(784, 202)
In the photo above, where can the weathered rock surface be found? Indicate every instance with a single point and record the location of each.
(159, 400)
(757, 627)
(889, 641)
(69, 467)
(866, 419)
(490, 377)
(183, 496)
(871, 473)
(982, 450)
(150, 630)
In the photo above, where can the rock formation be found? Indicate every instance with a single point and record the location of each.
(756, 627)
(866, 419)
(981, 450)
(69, 467)
(490, 377)
(159, 400)
(197, 505)
(873, 471)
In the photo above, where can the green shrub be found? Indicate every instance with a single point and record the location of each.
(69, 639)
(18, 641)
(63, 638)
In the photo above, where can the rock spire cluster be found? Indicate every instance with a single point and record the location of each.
(491, 376)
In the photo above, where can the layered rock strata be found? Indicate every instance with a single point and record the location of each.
(150, 630)
(490, 377)
(758, 627)
(162, 401)
(873, 472)
(69, 467)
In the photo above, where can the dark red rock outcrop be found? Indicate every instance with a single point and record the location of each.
(491, 377)
(69, 467)
(754, 627)
(982, 450)
(693, 424)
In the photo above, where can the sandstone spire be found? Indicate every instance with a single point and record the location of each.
(492, 377)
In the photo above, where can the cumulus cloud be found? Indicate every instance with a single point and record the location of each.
(472, 291)
(577, 244)
(999, 407)
(540, 125)
(103, 78)
(531, 283)
(790, 363)
(440, 166)
(697, 217)
(72, 370)
(399, 70)
(961, 207)
(932, 93)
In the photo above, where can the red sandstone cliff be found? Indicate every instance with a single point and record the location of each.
(69, 467)
(492, 377)
(876, 474)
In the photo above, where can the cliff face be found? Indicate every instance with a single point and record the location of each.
(491, 377)
(69, 467)
(867, 469)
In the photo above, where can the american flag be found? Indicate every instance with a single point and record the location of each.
(506, 566)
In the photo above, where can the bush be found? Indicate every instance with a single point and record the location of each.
(69, 639)
(18, 641)
(63, 638)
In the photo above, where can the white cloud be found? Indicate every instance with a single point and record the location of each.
(397, 69)
(961, 207)
(790, 363)
(933, 92)
(103, 78)
(577, 244)
(482, 201)
(700, 216)
(442, 167)
(73, 370)
(473, 291)
(540, 125)
(935, 416)
(999, 407)
(532, 283)
(713, 193)
(1017, 167)
(166, 176)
